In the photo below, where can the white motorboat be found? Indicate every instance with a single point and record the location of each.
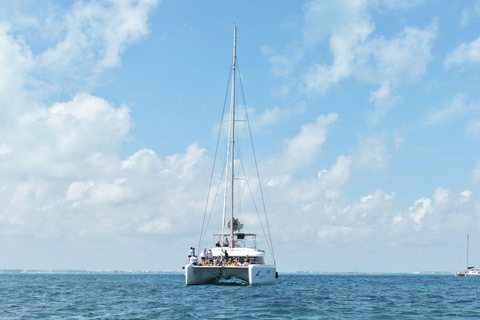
(235, 255)
(470, 270)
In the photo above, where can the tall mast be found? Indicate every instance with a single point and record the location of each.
(232, 120)
(468, 236)
(231, 141)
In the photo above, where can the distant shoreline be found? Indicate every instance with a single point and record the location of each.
(60, 271)
(51, 271)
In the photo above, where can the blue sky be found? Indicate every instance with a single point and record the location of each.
(365, 114)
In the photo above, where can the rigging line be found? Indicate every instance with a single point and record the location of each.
(211, 210)
(214, 161)
(256, 207)
(240, 141)
(256, 165)
(240, 198)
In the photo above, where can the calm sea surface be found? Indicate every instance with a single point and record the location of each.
(164, 296)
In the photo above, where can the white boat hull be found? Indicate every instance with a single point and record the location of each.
(474, 273)
(252, 274)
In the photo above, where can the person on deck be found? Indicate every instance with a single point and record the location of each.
(210, 256)
(226, 243)
(218, 245)
(203, 255)
(191, 252)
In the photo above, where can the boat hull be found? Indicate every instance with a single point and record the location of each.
(252, 274)
(467, 274)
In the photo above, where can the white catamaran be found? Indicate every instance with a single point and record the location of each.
(470, 270)
(235, 255)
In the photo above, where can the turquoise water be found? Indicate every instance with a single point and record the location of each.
(164, 296)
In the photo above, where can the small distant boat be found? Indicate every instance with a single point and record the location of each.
(470, 270)
(235, 255)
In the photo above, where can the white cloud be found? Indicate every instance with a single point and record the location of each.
(321, 77)
(378, 219)
(464, 54)
(77, 189)
(259, 121)
(383, 100)
(338, 176)
(283, 64)
(95, 33)
(16, 62)
(302, 149)
(145, 161)
(372, 154)
(403, 58)
(55, 140)
(323, 18)
(469, 13)
(457, 108)
(355, 53)
(271, 116)
(369, 219)
(421, 207)
(63, 178)
(161, 226)
(59, 162)
(466, 16)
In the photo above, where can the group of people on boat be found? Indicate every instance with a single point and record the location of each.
(226, 244)
(207, 259)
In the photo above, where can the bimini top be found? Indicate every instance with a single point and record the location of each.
(238, 235)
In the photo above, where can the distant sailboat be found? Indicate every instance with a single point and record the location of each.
(470, 270)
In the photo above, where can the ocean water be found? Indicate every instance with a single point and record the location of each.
(165, 296)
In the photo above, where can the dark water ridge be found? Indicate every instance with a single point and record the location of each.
(305, 296)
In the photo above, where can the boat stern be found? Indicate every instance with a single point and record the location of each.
(261, 274)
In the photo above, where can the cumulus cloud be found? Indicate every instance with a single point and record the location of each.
(302, 149)
(320, 76)
(355, 53)
(16, 62)
(464, 54)
(403, 58)
(372, 154)
(63, 178)
(379, 217)
(73, 128)
(457, 108)
(61, 173)
(94, 35)
(420, 208)
(337, 177)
